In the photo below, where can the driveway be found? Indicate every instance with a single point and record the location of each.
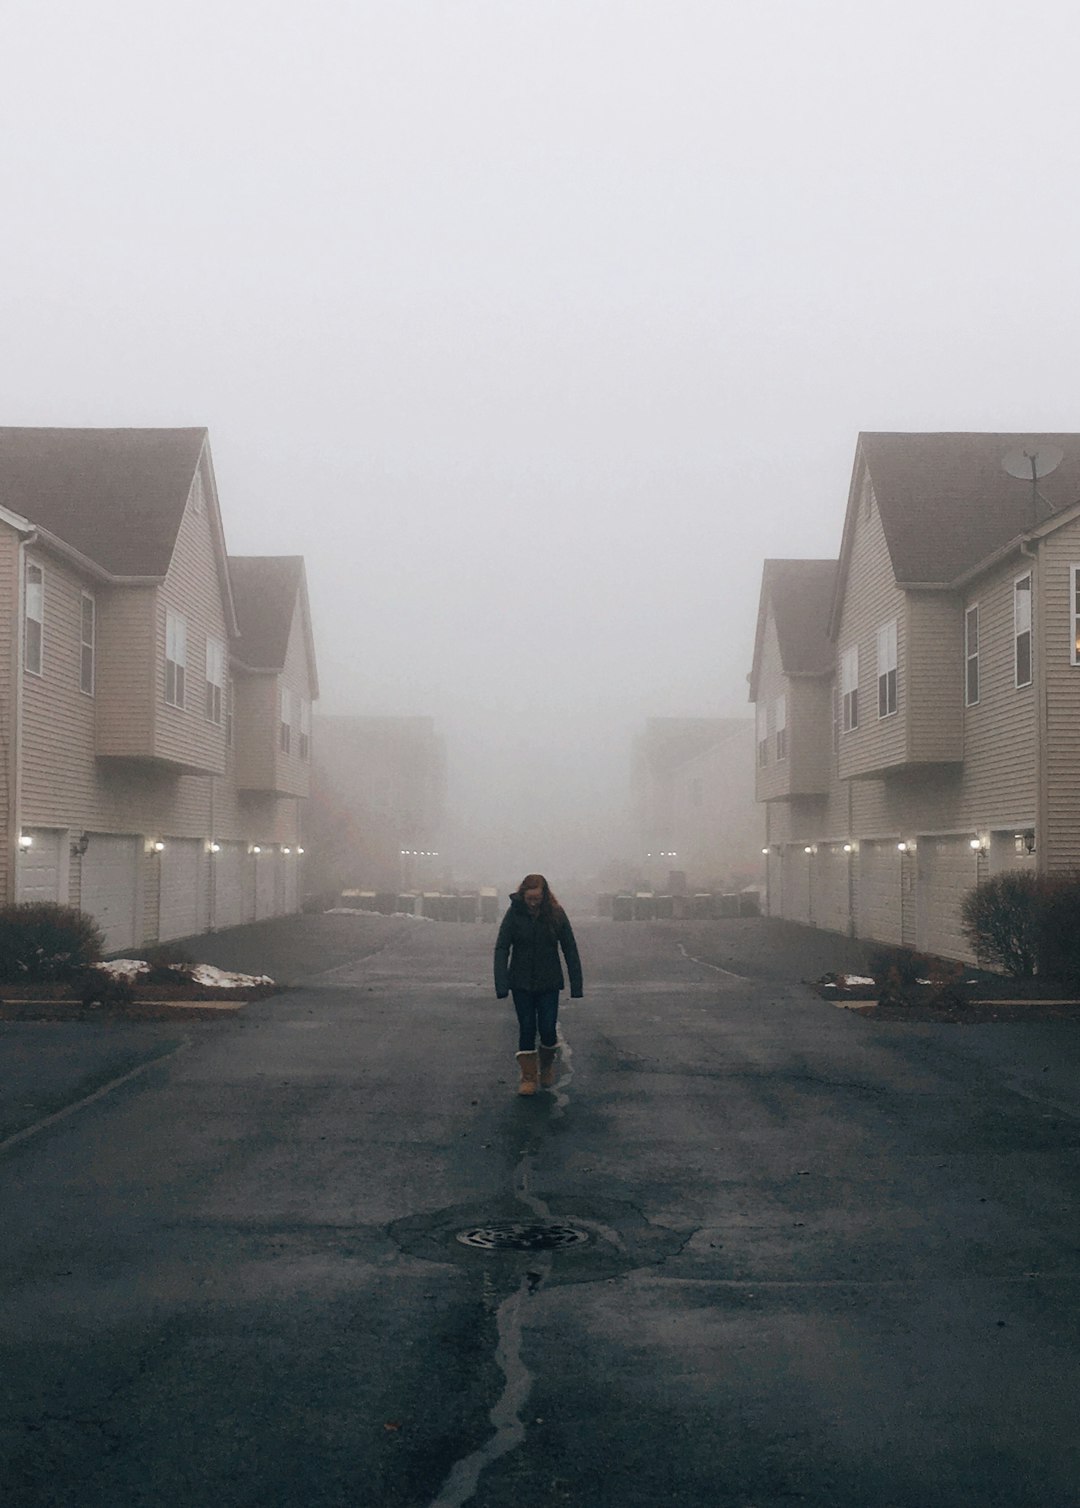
(772, 1253)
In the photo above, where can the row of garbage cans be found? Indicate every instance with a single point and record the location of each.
(460, 906)
(647, 906)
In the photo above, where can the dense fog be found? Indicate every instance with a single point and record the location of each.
(535, 327)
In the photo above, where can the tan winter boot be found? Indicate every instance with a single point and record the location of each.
(527, 1064)
(547, 1065)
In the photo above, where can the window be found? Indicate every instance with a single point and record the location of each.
(762, 735)
(305, 729)
(175, 658)
(215, 680)
(1022, 628)
(228, 712)
(849, 687)
(780, 719)
(886, 669)
(1074, 609)
(33, 655)
(286, 729)
(86, 645)
(971, 656)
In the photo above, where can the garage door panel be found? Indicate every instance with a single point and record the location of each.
(110, 887)
(947, 871)
(41, 869)
(878, 897)
(266, 865)
(230, 871)
(180, 908)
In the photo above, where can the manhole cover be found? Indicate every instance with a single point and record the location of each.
(522, 1235)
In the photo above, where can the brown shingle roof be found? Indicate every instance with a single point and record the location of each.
(946, 503)
(116, 495)
(800, 593)
(264, 590)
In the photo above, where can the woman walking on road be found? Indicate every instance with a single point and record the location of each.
(527, 964)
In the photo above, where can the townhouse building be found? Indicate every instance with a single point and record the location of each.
(155, 695)
(917, 698)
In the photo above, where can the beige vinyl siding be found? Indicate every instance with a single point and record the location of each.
(871, 599)
(292, 775)
(124, 671)
(10, 671)
(1059, 830)
(257, 703)
(191, 588)
(805, 771)
(1000, 731)
(934, 679)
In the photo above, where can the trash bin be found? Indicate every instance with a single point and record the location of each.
(644, 906)
(469, 907)
(448, 908)
(729, 905)
(682, 907)
(623, 908)
(429, 904)
(665, 908)
(750, 901)
(406, 904)
(704, 908)
(489, 904)
(605, 905)
(385, 903)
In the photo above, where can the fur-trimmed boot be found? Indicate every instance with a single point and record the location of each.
(527, 1064)
(547, 1065)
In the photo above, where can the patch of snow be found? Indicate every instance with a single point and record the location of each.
(857, 979)
(222, 979)
(124, 968)
(924, 981)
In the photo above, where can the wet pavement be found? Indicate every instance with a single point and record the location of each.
(811, 1259)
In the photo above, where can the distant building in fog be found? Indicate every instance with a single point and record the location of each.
(693, 789)
(378, 788)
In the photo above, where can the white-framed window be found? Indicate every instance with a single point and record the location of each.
(215, 680)
(34, 648)
(849, 688)
(175, 658)
(305, 728)
(762, 734)
(87, 641)
(886, 669)
(780, 725)
(1022, 628)
(229, 693)
(971, 655)
(1074, 612)
(286, 726)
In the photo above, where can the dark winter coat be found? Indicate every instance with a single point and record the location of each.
(527, 952)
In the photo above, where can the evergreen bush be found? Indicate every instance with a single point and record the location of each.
(40, 940)
(1003, 921)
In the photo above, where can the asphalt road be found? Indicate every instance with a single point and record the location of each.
(816, 1259)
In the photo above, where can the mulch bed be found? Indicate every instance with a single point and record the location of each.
(63, 1002)
(970, 1002)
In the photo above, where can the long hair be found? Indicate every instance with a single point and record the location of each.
(550, 909)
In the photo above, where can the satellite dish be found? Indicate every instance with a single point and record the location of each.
(1032, 460)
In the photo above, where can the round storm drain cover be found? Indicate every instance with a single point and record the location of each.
(522, 1235)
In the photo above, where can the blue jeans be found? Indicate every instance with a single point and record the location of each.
(536, 1008)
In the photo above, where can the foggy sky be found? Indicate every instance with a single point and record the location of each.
(534, 325)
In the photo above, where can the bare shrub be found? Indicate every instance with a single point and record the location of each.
(1002, 920)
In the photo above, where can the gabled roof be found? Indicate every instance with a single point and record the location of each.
(115, 495)
(799, 594)
(946, 503)
(266, 589)
(670, 742)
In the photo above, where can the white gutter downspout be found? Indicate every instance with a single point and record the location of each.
(1038, 670)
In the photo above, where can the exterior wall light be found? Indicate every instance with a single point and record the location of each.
(903, 847)
(764, 850)
(255, 848)
(25, 840)
(155, 845)
(809, 848)
(300, 850)
(213, 847)
(286, 850)
(1029, 840)
(849, 848)
(976, 844)
(80, 845)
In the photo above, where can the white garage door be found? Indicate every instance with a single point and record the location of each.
(266, 867)
(290, 871)
(947, 870)
(180, 902)
(230, 867)
(109, 887)
(41, 869)
(877, 892)
(829, 899)
(796, 883)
